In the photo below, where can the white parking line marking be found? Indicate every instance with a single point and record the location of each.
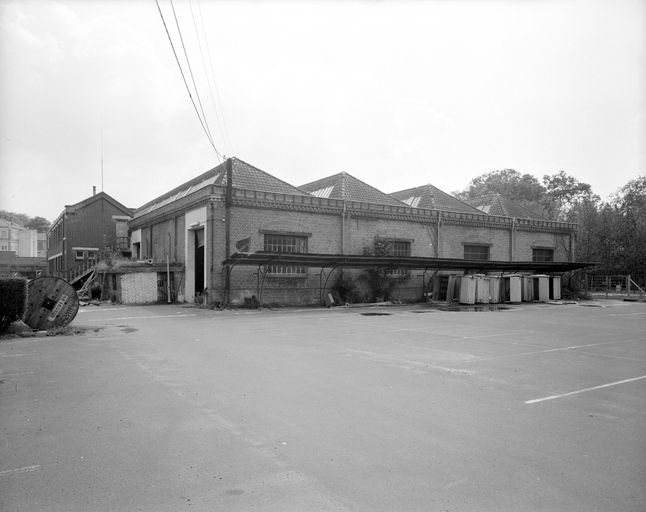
(16, 374)
(375, 356)
(628, 314)
(26, 469)
(573, 347)
(18, 355)
(101, 310)
(552, 397)
(137, 317)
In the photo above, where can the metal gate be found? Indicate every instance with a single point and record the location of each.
(163, 288)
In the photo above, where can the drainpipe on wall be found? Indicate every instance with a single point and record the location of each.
(227, 227)
(512, 239)
(343, 213)
(437, 237)
(168, 270)
(210, 220)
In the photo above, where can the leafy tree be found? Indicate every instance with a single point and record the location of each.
(586, 214)
(382, 281)
(523, 189)
(17, 218)
(629, 206)
(39, 224)
(563, 194)
(611, 234)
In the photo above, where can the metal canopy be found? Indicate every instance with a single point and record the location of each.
(261, 258)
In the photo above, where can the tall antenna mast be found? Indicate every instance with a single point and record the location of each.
(102, 159)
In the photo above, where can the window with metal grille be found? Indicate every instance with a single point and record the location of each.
(286, 244)
(542, 254)
(401, 248)
(476, 252)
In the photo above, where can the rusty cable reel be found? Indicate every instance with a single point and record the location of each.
(51, 302)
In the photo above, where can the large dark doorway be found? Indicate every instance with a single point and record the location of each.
(199, 261)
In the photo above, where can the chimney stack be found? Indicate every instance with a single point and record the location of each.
(93, 190)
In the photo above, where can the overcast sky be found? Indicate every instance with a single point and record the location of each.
(398, 94)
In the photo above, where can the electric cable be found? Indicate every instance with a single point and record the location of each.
(190, 70)
(206, 74)
(215, 84)
(186, 83)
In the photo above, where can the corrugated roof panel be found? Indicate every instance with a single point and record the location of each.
(324, 192)
(433, 198)
(412, 201)
(496, 204)
(347, 187)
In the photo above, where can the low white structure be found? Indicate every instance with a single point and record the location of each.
(129, 282)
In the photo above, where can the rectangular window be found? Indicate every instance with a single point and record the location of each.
(476, 252)
(79, 255)
(286, 244)
(541, 254)
(401, 248)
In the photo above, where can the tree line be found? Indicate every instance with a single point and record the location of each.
(610, 233)
(40, 224)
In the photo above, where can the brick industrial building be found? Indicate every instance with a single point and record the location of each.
(82, 234)
(237, 208)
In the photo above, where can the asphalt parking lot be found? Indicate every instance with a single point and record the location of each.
(168, 408)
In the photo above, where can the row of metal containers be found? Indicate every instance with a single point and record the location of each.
(484, 289)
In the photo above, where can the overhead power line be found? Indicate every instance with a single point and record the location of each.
(202, 121)
(219, 108)
(190, 70)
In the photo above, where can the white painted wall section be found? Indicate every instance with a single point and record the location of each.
(195, 219)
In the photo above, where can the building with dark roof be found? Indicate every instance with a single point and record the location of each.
(495, 204)
(236, 208)
(348, 188)
(83, 232)
(432, 198)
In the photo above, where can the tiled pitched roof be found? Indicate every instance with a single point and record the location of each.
(245, 176)
(97, 197)
(346, 186)
(432, 198)
(495, 204)
(248, 177)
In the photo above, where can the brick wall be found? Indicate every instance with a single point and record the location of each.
(161, 233)
(527, 240)
(89, 226)
(362, 232)
(253, 215)
(138, 288)
(454, 237)
(324, 236)
(163, 240)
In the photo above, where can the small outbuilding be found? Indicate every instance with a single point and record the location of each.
(139, 282)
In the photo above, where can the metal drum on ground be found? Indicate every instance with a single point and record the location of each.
(51, 302)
